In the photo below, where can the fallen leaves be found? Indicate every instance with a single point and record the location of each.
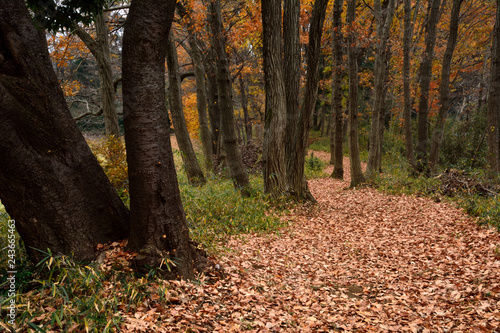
(358, 261)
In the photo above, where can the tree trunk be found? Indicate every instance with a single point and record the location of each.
(494, 102)
(100, 50)
(50, 182)
(273, 152)
(244, 106)
(299, 183)
(158, 229)
(336, 138)
(225, 89)
(213, 103)
(191, 165)
(291, 77)
(357, 176)
(437, 135)
(408, 32)
(384, 23)
(425, 76)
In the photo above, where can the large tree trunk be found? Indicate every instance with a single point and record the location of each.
(425, 76)
(357, 176)
(191, 165)
(225, 89)
(158, 229)
(437, 135)
(273, 153)
(50, 182)
(100, 50)
(494, 102)
(336, 138)
(291, 77)
(299, 184)
(384, 22)
(408, 32)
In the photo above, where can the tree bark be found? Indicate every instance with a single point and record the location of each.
(50, 182)
(299, 182)
(191, 165)
(492, 117)
(437, 135)
(225, 89)
(213, 102)
(244, 106)
(291, 77)
(336, 138)
(384, 23)
(357, 176)
(158, 230)
(425, 76)
(407, 36)
(100, 50)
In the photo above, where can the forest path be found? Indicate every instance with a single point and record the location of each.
(358, 261)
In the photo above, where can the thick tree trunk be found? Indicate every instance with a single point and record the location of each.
(299, 183)
(273, 154)
(50, 182)
(425, 76)
(158, 229)
(437, 135)
(191, 165)
(494, 102)
(407, 36)
(384, 22)
(336, 138)
(225, 89)
(100, 50)
(357, 176)
(291, 77)
(244, 106)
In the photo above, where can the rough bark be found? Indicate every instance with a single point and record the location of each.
(425, 76)
(336, 138)
(50, 182)
(213, 102)
(291, 77)
(384, 22)
(492, 116)
(158, 227)
(225, 90)
(273, 154)
(99, 48)
(357, 176)
(437, 135)
(191, 165)
(299, 184)
(407, 36)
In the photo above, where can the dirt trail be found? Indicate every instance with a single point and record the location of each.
(358, 261)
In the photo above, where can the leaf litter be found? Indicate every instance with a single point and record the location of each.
(358, 261)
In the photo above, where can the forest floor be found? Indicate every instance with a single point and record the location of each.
(358, 261)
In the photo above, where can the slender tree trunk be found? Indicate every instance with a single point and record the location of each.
(158, 229)
(494, 102)
(408, 29)
(201, 97)
(384, 23)
(191, 165)
(299, 183)
(425, 76)
(50, 182)
(357, 176)
(225, 89)
(100, 50)
(273, 153)
(336, 138)
(437, 135)
(291, 77)
(213, 103)
(244, 106)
